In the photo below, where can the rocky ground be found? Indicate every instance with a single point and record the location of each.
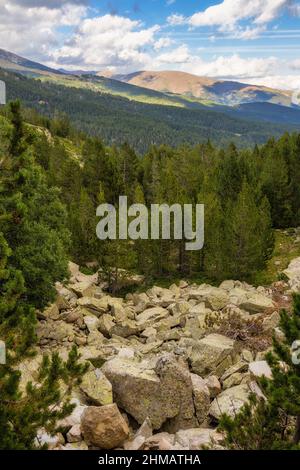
(164, 364)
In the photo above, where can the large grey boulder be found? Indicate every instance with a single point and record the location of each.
(162, 391)
(212, 355)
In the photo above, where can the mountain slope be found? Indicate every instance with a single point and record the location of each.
(177, 89)
(117, 119)
(223, 92)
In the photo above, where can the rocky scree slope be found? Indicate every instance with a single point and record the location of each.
(164, 364)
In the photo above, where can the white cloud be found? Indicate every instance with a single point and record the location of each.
(33, 31)
(176, 20)
(230, 12)
(163, 43)
(179, 55)
(108, 41)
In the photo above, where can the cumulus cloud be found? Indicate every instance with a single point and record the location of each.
(230, 12)
(108, 40)
(180, 55)
(228, 15)
(33, 31)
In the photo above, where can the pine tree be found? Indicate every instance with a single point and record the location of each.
(248, 234)
(273, 422)
(22, 414)
(33, 220)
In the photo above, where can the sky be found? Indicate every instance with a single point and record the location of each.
(253, 41)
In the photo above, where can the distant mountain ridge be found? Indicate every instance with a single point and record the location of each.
(179, 107)
(228, 93)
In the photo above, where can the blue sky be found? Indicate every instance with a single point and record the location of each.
(255, 41)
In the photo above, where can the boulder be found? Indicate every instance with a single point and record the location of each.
(293, 270)
(106, 324)
(260, 369)
(214, 297)
(162, 392)
(213, 384)
(96, 306)
(257, 303)
(151, 317)
(74, 435)
(97, 388)
(161, 441)
(201, 396)
(104, 427)
(197, 439)
(125, 328)
(91, 322)
(212, 355)
(144, 433)
(230, 401)
(83, 288)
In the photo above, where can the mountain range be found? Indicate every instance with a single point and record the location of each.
(179, 107)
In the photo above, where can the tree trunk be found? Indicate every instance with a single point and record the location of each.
(297, 432)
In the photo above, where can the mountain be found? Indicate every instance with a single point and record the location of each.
(118, 110)
(16, 63)
(117, 119)
(228, 93)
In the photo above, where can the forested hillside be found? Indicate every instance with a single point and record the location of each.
(247, 193)
(116, 120)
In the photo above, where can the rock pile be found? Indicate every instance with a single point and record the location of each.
(159, 376)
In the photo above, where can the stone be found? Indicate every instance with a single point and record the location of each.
(96, 306)
(160, 441)
(106, 324)
(197, 439)
(214, 297)
(293, 270)
(76, 446)
(271, 322)
(144, 433)
(240, 366)
(91, 322)
(97, 388)
(151, 317)
(230, 401)
(73, 269)
(201, 396)
(162, 392)
(233, 380)
(51, 312)
(125, 329)
(83, 288)
(213, 385)
(74, 435)
(246, 355)
(212, 355)
(257, 303)
(260, 369)
(104, 427)
(95, 338)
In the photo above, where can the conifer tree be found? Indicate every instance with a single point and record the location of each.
(41, 405)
